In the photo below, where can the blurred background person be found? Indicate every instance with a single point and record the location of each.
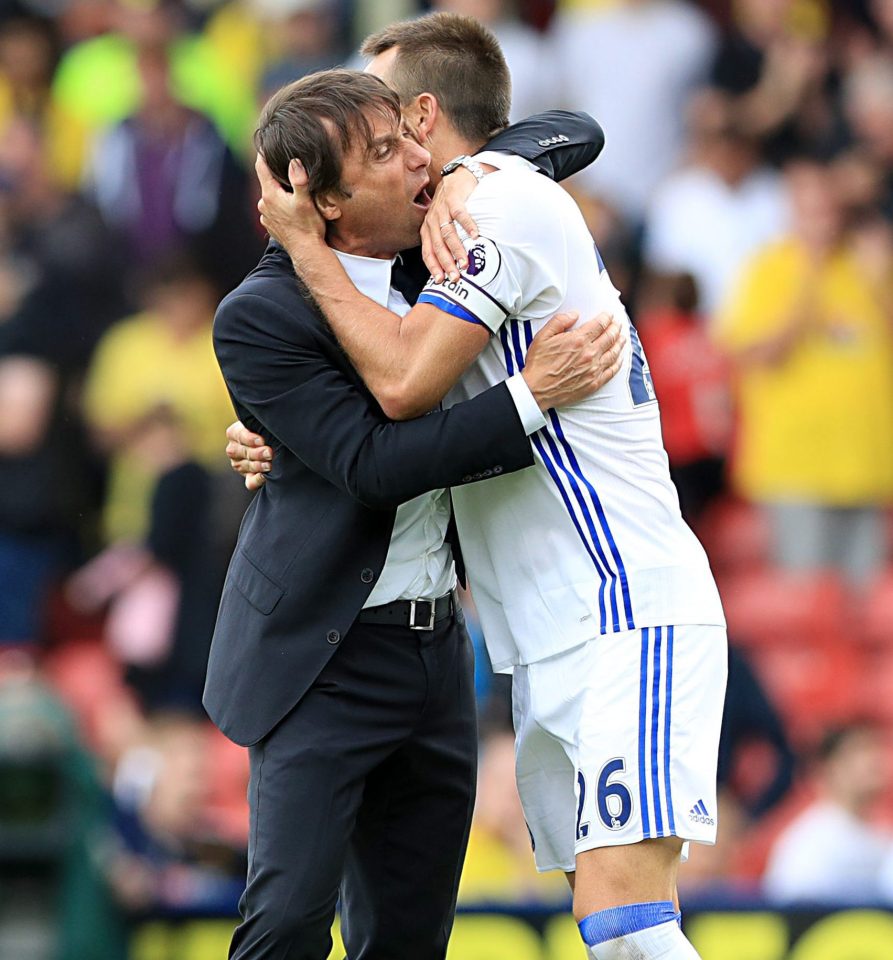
(59, 289)
(100, 81)
(868, 108)
(633, 65)
(833, 851)
(724, 204)
(54, 826)
(162, 593)
(167, 851)
(692, 380)
(160, 357)
(809, 334)
(164, 178)
(773, 62)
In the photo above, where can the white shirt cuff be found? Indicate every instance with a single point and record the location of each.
(504, 161)
(532, 418)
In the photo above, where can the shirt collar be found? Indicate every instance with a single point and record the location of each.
(371, 277)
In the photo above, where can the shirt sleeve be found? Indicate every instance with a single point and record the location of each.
(531, 416)
(509, 263)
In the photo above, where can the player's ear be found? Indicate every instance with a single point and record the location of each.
(329, 205)
(422, 114)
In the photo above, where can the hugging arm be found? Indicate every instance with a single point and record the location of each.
(314, 410)
(559, 142)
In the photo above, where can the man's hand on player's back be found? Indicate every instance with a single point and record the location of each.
(565, 364)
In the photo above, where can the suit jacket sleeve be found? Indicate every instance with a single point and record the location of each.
(559, 142)
(313, 408)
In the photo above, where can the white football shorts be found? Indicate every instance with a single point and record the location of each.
(617, 740)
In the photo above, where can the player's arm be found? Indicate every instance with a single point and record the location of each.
(409, 363)
(294, 393)
(291, 391)
(560, 368)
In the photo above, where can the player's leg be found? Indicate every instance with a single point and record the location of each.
(646, 755)
(406, 854)
(306, 791)
(547, 780)
(638, 717)
(625, 901)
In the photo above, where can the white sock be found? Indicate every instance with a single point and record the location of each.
(664, 942)
(637, 931)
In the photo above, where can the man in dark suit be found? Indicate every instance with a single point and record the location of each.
(339, 656)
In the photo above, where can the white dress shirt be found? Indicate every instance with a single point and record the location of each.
(419, 563)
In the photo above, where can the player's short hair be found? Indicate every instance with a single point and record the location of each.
(317, 119)
(458, 60)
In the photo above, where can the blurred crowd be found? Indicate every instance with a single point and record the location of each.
(744, 206)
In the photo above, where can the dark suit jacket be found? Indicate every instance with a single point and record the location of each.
(314, 540)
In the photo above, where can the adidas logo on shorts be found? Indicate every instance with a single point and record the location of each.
(700, 814)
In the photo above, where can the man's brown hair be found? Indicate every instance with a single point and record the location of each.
(317, 119)
(459, 61)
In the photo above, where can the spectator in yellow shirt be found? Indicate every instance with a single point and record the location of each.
(160, 358)
(811, 338)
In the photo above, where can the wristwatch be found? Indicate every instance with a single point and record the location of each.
(464, 161)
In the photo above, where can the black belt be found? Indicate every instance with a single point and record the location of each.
(415, 614)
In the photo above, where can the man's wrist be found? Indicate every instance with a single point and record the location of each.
(468, 163)
(529, 409)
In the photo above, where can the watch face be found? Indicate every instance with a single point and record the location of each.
(452, 165)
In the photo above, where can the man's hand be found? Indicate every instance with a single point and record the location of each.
(442, 250)
(290, 218)
(566, 366)
(248, 454)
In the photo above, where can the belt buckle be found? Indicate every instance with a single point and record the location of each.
(413, 606)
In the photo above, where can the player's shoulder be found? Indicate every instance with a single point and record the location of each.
(520, 205)
(516, 181)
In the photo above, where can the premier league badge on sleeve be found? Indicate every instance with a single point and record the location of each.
(484, 261)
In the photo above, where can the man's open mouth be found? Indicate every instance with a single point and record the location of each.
(423, 198)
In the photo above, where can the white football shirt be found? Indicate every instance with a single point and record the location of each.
(590, 540)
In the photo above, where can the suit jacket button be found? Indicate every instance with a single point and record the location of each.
(333, 636)
(367, 576)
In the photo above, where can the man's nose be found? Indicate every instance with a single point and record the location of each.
(417, 156)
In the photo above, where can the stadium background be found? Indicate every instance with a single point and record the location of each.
(127, 207)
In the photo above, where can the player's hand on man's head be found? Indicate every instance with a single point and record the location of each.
(442, 250)
(567, 363)
(248, 454)
(289, 218)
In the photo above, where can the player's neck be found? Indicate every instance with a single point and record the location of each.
(357, 245)
(446, 146)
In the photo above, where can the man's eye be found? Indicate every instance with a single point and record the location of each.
(383, 151)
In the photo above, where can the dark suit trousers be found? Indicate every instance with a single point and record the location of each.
(367, 785)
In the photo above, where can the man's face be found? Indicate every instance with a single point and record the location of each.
(387, 182)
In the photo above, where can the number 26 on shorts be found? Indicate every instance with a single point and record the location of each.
(613, 799)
